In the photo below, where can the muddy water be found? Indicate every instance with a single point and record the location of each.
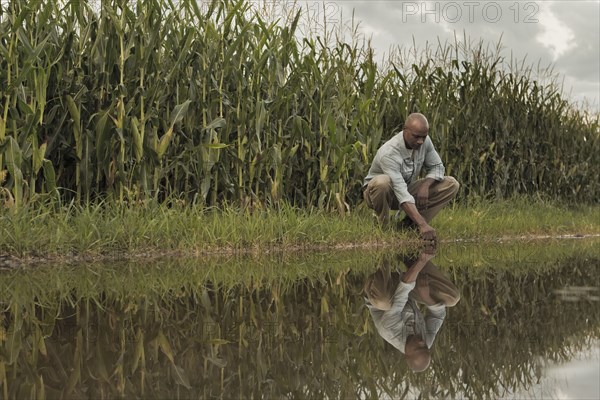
(526, 324)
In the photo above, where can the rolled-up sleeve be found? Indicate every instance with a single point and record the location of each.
(391, 168)
(433, 163)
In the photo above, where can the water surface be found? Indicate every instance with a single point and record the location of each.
(526, 325)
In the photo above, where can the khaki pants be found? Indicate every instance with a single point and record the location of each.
(379, 195)
(441, 288)
(381, 286)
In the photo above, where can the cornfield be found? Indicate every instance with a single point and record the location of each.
(215, 103)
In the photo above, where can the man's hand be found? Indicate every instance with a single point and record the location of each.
(428, 251)
(415, 267)
(425, 257)
(427, 232)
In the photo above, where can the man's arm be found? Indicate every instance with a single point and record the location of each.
(436, 311)
(414, 270)
(391, 317)
(391, 167)
(426, 231)
(435, 172)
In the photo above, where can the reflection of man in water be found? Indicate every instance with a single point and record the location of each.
(392, 299)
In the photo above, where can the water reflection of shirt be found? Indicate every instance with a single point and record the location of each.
(404, 318)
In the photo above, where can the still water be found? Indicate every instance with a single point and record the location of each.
(516, 320)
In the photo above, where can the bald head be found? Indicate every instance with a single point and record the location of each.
(416, 129)
(417, 121)
(416, 353)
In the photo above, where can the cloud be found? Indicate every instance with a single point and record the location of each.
(562, 34)
(556, 35)
(582, 60)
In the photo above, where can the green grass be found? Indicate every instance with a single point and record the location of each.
(131, 279)
(488, 220)
(101, 231)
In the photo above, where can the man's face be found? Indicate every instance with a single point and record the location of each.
(414, 137)
(415, 344)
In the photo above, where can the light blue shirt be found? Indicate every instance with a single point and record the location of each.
(403, 165)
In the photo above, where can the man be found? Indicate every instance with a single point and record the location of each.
(392, 183)
(392, 298)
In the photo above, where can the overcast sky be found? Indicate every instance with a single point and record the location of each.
(564, 34)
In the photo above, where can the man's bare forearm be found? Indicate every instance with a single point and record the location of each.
(413, 272)
(411, 210)
(426, 231)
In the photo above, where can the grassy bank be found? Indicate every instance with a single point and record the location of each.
(101, 231)
(128, 280)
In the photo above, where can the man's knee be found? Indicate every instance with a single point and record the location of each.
(380, 182)
(452, 184)
(379, 187)
(452, 300)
